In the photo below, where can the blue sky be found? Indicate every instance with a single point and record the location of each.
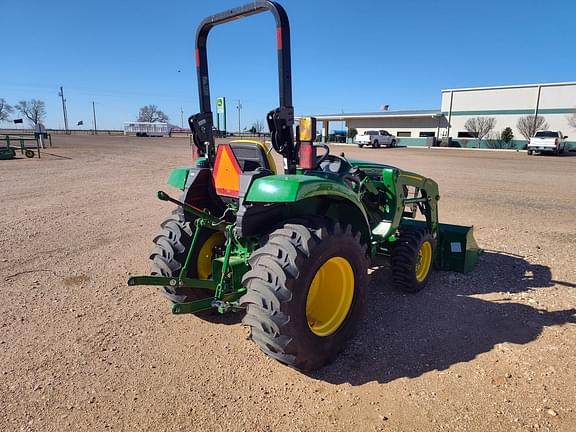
(346, 55)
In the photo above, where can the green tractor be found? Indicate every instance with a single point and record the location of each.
(292, 249)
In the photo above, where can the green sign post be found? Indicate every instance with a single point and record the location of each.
(221, 109)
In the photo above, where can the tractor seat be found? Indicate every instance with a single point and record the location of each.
(252, 155)
(236, 158)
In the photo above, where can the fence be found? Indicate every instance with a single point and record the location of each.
(63, 132)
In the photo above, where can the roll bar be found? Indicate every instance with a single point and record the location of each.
(279, 120)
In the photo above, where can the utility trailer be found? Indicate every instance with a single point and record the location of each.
(9, 151)
(147, 129)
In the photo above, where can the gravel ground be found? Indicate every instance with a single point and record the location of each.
(81, 351)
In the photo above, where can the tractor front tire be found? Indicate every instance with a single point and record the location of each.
(305, 293)
(170, 250)
(413, 260)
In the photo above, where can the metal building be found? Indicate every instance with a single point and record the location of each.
(554, 102)
(412, 127)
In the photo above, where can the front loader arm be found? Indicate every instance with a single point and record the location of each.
(394, 181)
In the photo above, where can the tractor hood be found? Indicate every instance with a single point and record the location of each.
(369, 167)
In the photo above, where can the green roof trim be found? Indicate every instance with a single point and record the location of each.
(541, 111)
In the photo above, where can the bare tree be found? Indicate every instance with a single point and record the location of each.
(572, 120)
(258, 127)
(500, 140)
(151, 114)
(494, 140)
(34, 110)
(5, 110)
(479, 127)
(528, 125)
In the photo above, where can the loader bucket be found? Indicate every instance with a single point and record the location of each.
(456, 250)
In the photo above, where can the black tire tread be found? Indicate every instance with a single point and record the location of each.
(404, 257)
(275, 267)
(169, 254)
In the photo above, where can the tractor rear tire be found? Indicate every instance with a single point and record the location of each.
(306, 291)
(413, 260)
(170, 250)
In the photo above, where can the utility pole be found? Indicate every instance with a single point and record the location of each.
(181, 117)
(536, 109)
(94, 113)
(239, 107)
(61, 94)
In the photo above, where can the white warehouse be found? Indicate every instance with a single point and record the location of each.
(554, 102)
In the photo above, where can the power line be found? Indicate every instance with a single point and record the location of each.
(119, 94)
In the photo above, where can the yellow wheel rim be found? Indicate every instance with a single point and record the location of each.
(423, 261)
(204, 260)
(330, 296)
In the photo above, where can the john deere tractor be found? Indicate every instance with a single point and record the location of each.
(292, 249)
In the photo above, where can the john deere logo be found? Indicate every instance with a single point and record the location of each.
(220, 105)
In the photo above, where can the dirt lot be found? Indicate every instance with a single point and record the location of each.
(493, 350)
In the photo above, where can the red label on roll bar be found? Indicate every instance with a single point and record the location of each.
(279, 37)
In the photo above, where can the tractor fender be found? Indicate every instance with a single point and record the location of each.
(178, 177)
(197, 189)
(292, 188)
(274, 198)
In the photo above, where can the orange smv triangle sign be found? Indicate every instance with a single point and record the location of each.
(226, 172)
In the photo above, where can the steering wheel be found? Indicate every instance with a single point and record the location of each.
(324, 156)
(335, 165)
(340, 166)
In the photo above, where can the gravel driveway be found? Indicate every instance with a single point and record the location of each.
(493, 350)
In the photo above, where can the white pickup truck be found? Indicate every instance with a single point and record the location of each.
(545, 141)
(375, 139)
